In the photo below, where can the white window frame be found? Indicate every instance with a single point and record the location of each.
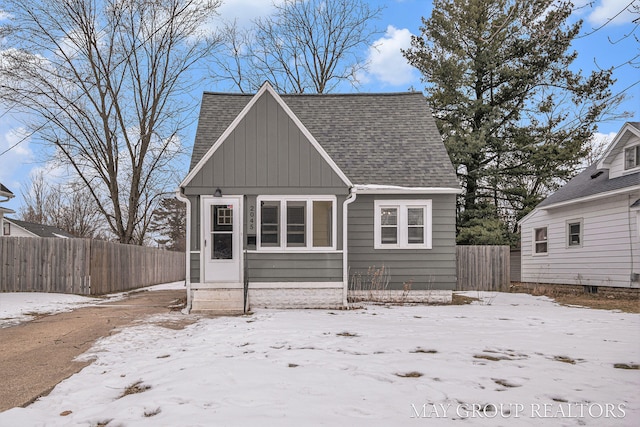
(403, 223)
(570, 222)
(636, 160)
(308, 223)
(534, 241)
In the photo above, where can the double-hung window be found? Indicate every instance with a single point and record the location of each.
(540, 244)
(574, 233)
(402, 224)
(296, 223)
(632, 157)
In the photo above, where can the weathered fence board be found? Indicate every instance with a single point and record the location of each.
(483, 268)
(82, 266)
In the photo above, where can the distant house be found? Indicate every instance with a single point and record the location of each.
(291, 198)
(587, 233)
(15, 228)
(5, 195)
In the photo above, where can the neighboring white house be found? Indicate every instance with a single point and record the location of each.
(5, 195)
(15, 228)
(588, 232)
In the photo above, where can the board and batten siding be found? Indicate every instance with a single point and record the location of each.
(425, 269)
(610, 244)
(294, 267)
(268, 153)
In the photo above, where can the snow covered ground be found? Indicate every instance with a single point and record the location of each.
(18, 307)
(521, 360)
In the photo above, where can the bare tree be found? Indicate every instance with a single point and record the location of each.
(68, 206)
(304, 46)
(103, 82)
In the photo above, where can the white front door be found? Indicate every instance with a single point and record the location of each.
(221, 240)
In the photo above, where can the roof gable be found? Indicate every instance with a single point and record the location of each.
(616, 147)
(40, 230)
(383, 139)
(265, 91)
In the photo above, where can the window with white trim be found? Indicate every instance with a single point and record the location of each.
(402, 224)
(296, 223)
(574, 233)
(540, 244)
(632, 157)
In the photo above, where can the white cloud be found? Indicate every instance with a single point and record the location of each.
(615, 10)
(245, 11)
(386, 62)
(17, 155)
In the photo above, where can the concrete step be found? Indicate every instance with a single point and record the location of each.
(218, 301)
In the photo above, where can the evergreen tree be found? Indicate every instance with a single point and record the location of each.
(515, 118)
(170, 222)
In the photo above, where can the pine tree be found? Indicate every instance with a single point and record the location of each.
(515, 118)
(170, 222)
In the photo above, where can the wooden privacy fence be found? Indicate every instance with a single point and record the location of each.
(82, 266)
(483, 268)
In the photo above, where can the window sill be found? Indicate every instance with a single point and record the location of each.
(294, 251)
(408, 247)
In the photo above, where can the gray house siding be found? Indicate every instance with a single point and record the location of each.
(425, 269)
(268, 153)
(294, 267)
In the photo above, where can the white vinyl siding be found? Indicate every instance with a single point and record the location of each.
(618, 166)
(402, 224)
(609, 232)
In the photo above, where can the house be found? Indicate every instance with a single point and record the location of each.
(5, 195)
(290, 198)
(15, 228)
(587, 233)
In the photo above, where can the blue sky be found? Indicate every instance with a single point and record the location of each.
(598, 47)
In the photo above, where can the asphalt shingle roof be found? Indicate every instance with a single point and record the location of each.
(41, 230)
(383, 139)
(583, 185)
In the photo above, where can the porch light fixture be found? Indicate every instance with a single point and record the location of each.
(218, 193)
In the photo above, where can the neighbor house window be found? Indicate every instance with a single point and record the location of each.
(574, 233)
(6, 228)
(297, 223)
(402, 224)
(540, 240)
(632, 157)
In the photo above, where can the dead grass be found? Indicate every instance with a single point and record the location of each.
(491, 358)
(412, 374)
(457, 299)
(634, 366)
(505, 383)
(566, 359)
(422, 350)
(346, 334)
(605, 299)
(135, 388)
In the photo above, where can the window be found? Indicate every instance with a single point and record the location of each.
(6, 228)
(402, 224)
(540, 240)
(297, 223)
(632, 157)
(574, 234)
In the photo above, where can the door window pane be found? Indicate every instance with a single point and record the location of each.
(322, 223)
(270, 226)
(222, 217)
(296, 231)
(222, 246)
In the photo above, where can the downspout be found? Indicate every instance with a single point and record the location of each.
(180, 196)
(345, 244)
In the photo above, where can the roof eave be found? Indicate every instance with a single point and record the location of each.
(591, 197)
(394, 189)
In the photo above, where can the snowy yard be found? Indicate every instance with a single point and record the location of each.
(521, 360)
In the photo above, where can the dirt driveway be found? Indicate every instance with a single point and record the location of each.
(37, 355)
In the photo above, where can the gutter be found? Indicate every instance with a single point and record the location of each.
(345, 244)
(180, 196)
